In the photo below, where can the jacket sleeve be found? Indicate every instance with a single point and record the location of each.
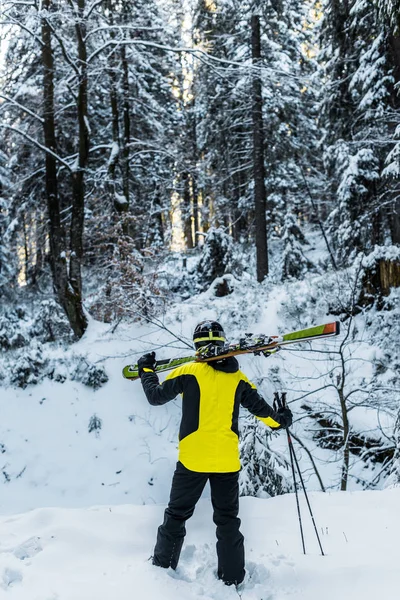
(157, 393)
(252, 400)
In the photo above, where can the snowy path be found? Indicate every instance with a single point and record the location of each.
(101, 553)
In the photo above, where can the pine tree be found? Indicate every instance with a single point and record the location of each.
(8, 267)
(295, 264)
(108, 134)
(216, 258)
(357, 67)
(223, 108)
(390, 13)
(263, 471)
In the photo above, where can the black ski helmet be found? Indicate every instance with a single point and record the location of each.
(208, 332)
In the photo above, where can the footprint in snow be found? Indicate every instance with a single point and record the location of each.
(188, 552)
(179, 574)
(28, 549)
(256, 573)
(10, 578)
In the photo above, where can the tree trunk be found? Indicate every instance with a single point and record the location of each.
(26, 251)
(58, 255)
(112, 67)
(258, 156)
(187, 211)
(194, 174)
(195, 211)
(346, 441)
(75, 310)
(394, 47)
(127, 124)
(378, 281)
(395, 222)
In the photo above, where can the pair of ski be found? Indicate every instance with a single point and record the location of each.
(259, 344)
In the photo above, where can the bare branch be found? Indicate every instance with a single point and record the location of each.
(37, 144)
(310, 456)
(92, 8)
(67, 57)
(200, 54)
(19, 24)
(120, 27)
(24, 108)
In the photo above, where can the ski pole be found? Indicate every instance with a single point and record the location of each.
(291, 448)
(295, 490)
(293, 458)
(278, 403)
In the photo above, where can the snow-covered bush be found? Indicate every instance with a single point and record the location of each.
(11, 336)
(50, 323)
(95, 424)
(182, 282)
(217, 257)
(29, 367)
(394, 478)
(88, 374)
(32, 364)
(295, 263)
(125, 288)
(263, 471)
(57, 370)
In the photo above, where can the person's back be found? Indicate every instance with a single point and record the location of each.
(208, 447)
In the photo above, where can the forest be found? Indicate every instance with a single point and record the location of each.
(165, 159)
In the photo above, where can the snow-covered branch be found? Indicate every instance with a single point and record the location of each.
(37, 144)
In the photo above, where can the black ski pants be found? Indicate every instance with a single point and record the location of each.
(186, 490)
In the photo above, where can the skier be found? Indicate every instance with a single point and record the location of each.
(208, 447)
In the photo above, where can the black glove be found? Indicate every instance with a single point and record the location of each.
(285, 416)
(147, 361)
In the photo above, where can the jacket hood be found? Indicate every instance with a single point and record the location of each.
(227, 365)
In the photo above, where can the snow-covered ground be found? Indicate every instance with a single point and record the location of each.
(54, 466)
(102, 553)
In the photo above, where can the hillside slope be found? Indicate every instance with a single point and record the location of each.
(51, 454)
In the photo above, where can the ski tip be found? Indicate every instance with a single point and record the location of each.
(331, 328)
(130, 372)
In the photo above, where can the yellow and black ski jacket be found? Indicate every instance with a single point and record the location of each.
(211, 397)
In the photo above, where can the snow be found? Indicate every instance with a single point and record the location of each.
(91, 498)
(391, 253)
(113, 155)
(102, 552)
(87, 125)
(48, 456)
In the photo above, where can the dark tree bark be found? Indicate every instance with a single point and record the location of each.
(187, 211)
(394, 214)
(258, 156)
(78, 183)
(126, 113)
(195, 211)
(127, 125)
(71, 302)
(26, 250)
(194, 173)
(112, 66)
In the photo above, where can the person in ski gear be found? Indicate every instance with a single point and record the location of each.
(208, 447)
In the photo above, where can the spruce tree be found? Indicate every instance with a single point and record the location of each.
(357, 67)
(263, 472)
